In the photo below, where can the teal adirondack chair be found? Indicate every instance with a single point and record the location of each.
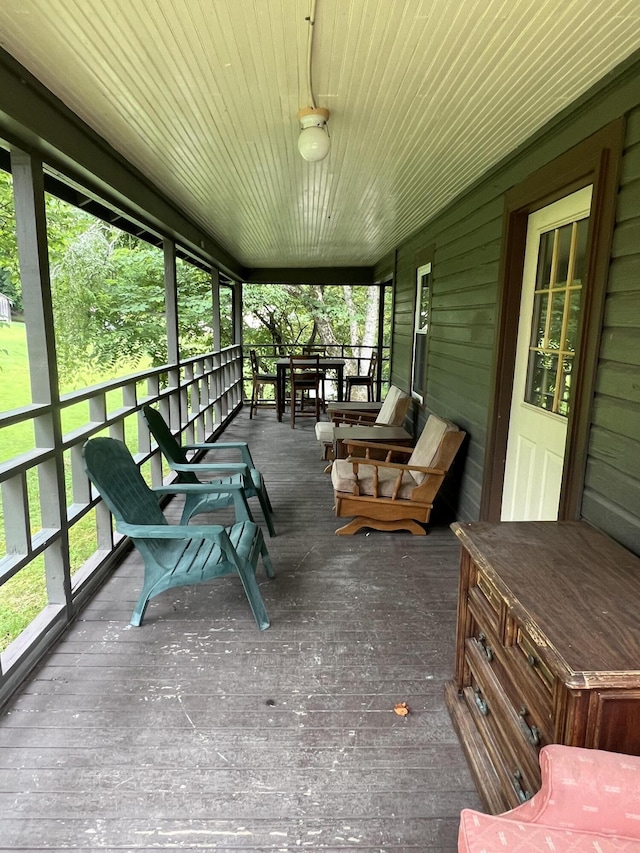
(177, 555)
(175, 455)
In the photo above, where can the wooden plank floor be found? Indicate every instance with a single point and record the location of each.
(197, 731)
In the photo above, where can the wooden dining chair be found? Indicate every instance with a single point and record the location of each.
(305, 376)
(367, 379)
(317, 349)
(259, 380)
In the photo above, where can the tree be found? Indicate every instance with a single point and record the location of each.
(276, 315)
(9, 274)
(109, 297)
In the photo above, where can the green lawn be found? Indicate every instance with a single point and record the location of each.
(24, 595)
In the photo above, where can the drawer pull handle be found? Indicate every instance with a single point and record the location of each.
(532, 733)
(532, 660)
(522, 795)
(481, 702)
(482, 641)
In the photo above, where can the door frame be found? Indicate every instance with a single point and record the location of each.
(595, 161)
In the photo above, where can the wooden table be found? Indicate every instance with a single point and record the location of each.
(386, 434)
(282, 366)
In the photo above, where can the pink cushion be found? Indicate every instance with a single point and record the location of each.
(587, 788)
(480, 833)
(589, 801)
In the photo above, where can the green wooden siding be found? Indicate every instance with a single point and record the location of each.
(468, 245)
(612, 484)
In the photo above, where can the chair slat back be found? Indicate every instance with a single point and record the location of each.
(253, 358)
(304, 367)
(112, 470)
(167, 443)
(315, 349)
(373, 364)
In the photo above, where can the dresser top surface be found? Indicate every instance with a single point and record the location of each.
(579, 588)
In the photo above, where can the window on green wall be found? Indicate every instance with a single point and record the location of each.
(421, 332)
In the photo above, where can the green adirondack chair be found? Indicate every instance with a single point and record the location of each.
(176, 456)
(177, 555)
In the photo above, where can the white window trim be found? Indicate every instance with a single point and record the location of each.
(422, 271)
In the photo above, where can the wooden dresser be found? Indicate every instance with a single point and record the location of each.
(547, 650)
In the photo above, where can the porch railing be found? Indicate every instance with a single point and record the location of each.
(47, 498)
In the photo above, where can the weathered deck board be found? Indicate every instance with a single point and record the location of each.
(196, 731)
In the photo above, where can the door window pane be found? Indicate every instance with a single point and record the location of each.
(563, 241)
(545, 258)
(554, 327)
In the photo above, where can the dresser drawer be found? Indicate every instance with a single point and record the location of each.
(534, 706)
(530, 653)
(516, 785)
(486, 600)
(516, 732)
(482, 629)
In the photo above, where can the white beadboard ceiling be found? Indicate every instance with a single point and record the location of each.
(425, 95)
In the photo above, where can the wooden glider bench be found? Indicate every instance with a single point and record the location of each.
(392, 413)
(388, 495)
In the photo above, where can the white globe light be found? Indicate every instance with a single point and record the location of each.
(313, 142)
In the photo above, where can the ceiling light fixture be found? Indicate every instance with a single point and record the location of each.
(313, 142)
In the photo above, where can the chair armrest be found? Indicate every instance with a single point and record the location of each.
(235, 488)
(236, 485)
(418, 490)
(242, 446)
(377, 445)
(354, 418)
(216, 445)
(219, 467)
(397, 466)
(170, 531)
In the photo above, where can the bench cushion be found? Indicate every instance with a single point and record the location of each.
(324, 432)
(392, 412)
(480, 833)
(427, 446)
(344, 479)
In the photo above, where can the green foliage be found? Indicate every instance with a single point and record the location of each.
(108, 300)
(24, 595)
(108, 292)
(9, 276)
(195, 310)
(302, 314)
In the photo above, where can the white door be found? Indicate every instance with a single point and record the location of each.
(555, 268)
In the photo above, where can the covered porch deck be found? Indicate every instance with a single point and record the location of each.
(196, 731)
